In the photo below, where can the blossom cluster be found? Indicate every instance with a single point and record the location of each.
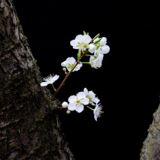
(94, 48)
(85, 97)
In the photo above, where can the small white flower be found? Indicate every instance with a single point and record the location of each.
(49, 80)
(81, 42)
(65, 104)
(103, 41)
(92, 48)
(69, 63)
(96, 60)
(102, 48)
(91, 96)
(97, 111)
(77, 102)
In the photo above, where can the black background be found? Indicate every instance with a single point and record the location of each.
(128, 83)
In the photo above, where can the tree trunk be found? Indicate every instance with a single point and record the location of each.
(29, 122)
(151, 145)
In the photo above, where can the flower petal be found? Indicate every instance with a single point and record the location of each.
(44, 84)
(103, 41)
(85, 91)
(72, 99)
(91, 94)
(55, 77)
(70, 60)
(105, 49)
(64, 64)
(79, 38)
(77, 68)
(91, 59)
(93, 104)
(96, 100)
(72, 106)
(74, 44)
(95, 117)
(87, 39)
(81, 95)
(79, 108)
(85, 101)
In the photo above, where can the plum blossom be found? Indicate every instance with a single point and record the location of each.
(81, 42)
(102, 48)
(77, 102)
(91, 96)
(97, 111)
(96, 61)
(49, 80)
(69, 63)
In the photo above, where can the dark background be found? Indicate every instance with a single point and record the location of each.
(128, 83)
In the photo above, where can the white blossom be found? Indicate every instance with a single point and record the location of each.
(92, 48)
(103, 41)
(65, 104)
(81, 42)
(91, 96)
(49, 80)
(77, 102)
(102, 48)
(97, 111)
(69, 63)
(96, 60)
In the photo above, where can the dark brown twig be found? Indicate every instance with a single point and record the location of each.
(67, 75)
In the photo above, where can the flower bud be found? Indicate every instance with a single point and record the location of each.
(92, 48)
(68, 111)
(64, 69)
(65, 104)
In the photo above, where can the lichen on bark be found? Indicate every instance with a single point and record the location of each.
(151, 145)
(29, 122)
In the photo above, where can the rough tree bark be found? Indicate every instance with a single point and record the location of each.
(151, 145)
(29, 122)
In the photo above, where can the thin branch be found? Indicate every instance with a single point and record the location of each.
(67, 75)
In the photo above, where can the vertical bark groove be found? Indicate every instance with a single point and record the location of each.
(29, 122)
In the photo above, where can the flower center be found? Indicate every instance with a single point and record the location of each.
(70, 66)
(78, 101)
(85, 45)
(82, 45)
